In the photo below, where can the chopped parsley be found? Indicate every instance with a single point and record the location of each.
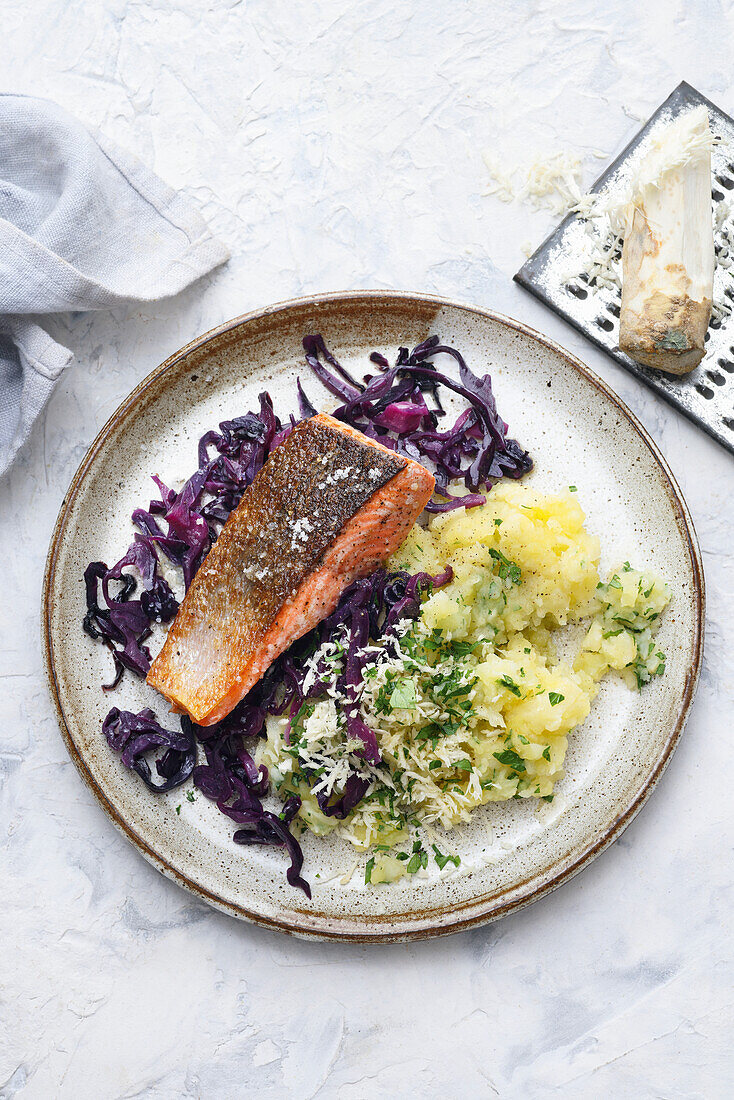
(555, 698)
(461, 649)
(418, 858)
(442, 860)
(509, 683)
(506, 569)
(433, 642)
(511, 759)
(369, 869)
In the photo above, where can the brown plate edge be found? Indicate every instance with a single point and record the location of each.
(312, 925)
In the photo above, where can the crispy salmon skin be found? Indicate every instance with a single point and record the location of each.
(329, 506)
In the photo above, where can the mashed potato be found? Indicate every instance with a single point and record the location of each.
(470, 703)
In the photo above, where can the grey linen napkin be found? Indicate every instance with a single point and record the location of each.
(83, 225)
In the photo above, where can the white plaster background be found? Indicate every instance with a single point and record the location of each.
(336, 145)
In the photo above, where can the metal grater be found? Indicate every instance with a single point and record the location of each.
(703, 395)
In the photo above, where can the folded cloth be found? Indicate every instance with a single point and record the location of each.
(83, 225)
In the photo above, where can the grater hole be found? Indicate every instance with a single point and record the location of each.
(707, 337)
(729, 292)
(614, 309)
(605, 323)
(714, 323)
(717, 196)
(729, 423)
(725, 182)
(577, 291)
(705, 391)
(727, 365)
(716, 377)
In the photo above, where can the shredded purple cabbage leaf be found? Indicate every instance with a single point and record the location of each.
(390, 407)
(134, 735)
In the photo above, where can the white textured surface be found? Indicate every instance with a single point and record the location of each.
(337, 145)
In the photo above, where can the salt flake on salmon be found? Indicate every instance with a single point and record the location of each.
(328, 507)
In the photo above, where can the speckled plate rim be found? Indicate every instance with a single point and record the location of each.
(523, 894)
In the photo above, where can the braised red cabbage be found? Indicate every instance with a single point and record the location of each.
(134, 735)
(232, 779)
(391, 407)
(121, 623)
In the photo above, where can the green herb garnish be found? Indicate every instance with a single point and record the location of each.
(442, 860)
(506, 568)
(461, 649)
(511, 759)
(509, 683)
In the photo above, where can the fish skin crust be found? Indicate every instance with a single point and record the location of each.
(328, 507)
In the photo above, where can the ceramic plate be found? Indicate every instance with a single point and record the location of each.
(578, 432)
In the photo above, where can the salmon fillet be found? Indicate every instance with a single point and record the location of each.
(328, 507)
